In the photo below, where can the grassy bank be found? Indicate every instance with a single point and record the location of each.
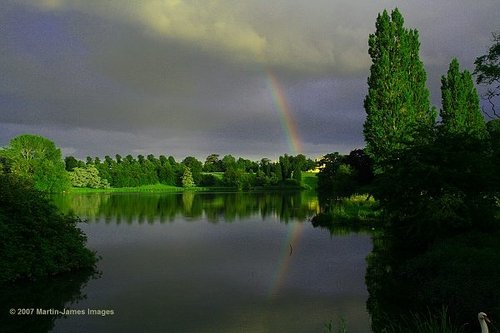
(310, 180)
(357, 209)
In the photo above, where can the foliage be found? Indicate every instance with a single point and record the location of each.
(187, 178)
(434, 274)
(35, 239)
(362, 164)
(397, 105)
(242, 174)
(195, 167)
(356, 210)
(328, 165)
(488, 73)
(286, 168)
(414, 323)
(136, 189)
(341, 176)
(461, 114)
(439, 322)
(211, 179)
(37, 160)
(87, 177)
(436, 185)
(233, 177)
(459, 274)
(493, 128)
(213, 164)
(432, 193)
(310, 180)
(297, 174)
(71, 162)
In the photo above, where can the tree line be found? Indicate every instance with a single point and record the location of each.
(228, 171)
(38, 160)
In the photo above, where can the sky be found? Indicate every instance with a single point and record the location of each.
(251, 78)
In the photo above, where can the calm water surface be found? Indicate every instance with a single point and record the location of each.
(216, 263)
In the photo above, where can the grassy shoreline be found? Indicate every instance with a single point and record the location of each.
(160, 188)
(137, 189)
(309, 182)
(355, 210)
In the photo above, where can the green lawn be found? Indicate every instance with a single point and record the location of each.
(310, 180)
(218, 175)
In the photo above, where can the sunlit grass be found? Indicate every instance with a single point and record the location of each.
(310, 180)
(219, 175)
(357, 207)
(142, 188)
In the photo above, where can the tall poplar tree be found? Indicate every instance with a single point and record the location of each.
(461, 113)
(398, 110)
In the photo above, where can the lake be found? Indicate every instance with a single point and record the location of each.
(214, 262)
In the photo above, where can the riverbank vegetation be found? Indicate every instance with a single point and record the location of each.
(359, 209)
(438, 322)
(437, 185)
(37, 159)
(36, 240)
(228, 172)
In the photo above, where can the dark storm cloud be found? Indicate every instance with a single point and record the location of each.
(191, 78)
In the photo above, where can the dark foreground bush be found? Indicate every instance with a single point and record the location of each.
(461, 273)
(35, 239)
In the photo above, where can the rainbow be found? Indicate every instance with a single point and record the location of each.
(295, 228)
(285, 115)
(288, 246)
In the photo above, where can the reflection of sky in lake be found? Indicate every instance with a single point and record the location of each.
(197, 276)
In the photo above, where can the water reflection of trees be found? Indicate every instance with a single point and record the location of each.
(165, 207)
(54, 293)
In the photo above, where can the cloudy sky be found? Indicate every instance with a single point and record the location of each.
(194, 77)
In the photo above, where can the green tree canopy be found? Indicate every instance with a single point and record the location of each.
(461, 114)
(71, 162)
(195, 167)
(488, 73)
(397, 105)
(87, 176)
(187, 178)
(35, 239)
(38, 160)
(228, 161)
(212, 163)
